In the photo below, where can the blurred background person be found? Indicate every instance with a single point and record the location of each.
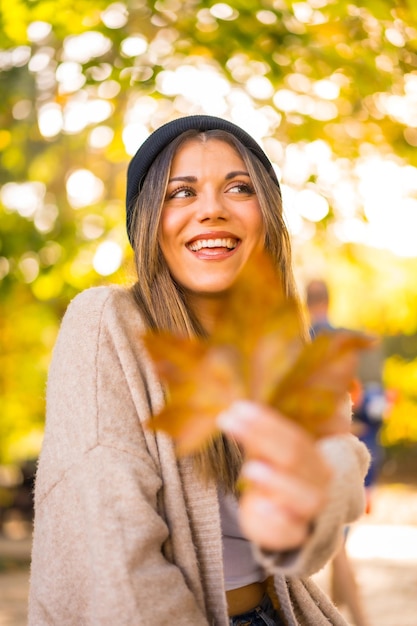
(318, 301)
(368, 393)
(368, 407)
(368, 412)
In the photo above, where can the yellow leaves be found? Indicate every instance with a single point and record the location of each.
(5, 139)
(256, 351)
(14, 20)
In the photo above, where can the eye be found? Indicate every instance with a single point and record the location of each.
(241, 188)
(181, 192)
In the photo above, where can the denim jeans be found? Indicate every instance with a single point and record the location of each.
(262, 614)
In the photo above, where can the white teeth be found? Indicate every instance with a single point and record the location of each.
(195, 246)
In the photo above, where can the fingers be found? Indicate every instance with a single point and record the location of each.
(301, 499)
(269, 526)
(285, 476)
(266, 435)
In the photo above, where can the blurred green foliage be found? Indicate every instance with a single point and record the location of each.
(83, 81)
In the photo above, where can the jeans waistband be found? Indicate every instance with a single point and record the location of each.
(264, 613)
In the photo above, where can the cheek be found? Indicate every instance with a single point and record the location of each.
(170, 237)
(173, 220)
(166, 231)
(257, 226)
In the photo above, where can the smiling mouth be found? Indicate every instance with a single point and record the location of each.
(223, 242)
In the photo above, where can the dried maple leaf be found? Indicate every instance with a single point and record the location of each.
(312, 389)
(255, 351)
(202, 379)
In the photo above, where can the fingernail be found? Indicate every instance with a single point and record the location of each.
(265, 507)
(235, 418)
(256, 471)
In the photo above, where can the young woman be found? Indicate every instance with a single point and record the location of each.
(127, 534)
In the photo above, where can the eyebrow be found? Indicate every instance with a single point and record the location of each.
(193, 179)
(186, 179)
(236, 173)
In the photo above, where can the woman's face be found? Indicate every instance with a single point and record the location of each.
(211, 220)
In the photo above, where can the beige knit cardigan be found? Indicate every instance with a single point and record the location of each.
(125, 535)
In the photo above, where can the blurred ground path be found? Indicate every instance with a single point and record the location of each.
(383, 549)
(382, 546)
(14, 574)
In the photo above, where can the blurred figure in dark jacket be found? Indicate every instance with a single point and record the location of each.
(368, 412)
(318, 301)
(367, 419)
(369, 398)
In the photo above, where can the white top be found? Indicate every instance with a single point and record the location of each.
(240, 566)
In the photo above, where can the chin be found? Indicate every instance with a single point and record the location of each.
(210, 291)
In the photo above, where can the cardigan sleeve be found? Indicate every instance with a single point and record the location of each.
(101, 542)
(349, 460)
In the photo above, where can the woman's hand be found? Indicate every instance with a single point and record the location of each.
(286, 479)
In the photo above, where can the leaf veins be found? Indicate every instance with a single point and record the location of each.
(257, 351)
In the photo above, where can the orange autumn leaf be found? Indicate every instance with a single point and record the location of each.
(201, 380)
(262, 325)
(256, 351)
(311, 390)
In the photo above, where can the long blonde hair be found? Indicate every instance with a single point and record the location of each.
(161, 299)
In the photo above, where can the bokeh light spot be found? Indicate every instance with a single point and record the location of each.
(83, 188)
(108, 258)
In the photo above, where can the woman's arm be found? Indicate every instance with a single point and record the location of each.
(299, 492)
(100, 539)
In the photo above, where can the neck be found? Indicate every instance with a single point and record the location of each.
(207, 309)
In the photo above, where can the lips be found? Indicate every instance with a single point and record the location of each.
(219, 242)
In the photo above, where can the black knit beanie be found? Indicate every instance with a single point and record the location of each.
(160, 138)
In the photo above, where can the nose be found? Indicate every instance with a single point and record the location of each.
(211, 206)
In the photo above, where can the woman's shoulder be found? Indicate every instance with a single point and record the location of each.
(96, 318)
(97, 298)
(112, 305)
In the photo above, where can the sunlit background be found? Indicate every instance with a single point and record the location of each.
(329, 89)
(330, 92)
